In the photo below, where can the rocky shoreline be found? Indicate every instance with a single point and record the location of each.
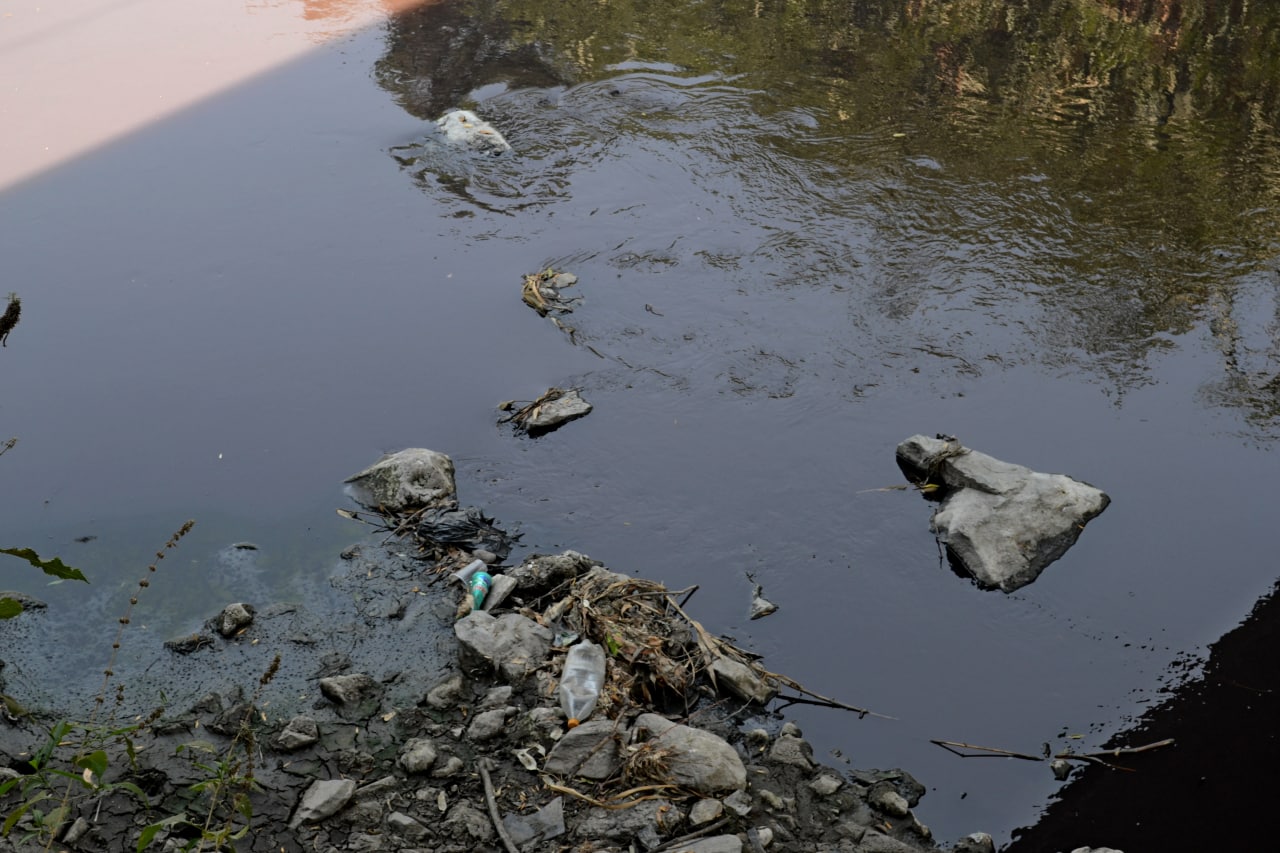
(385, 716)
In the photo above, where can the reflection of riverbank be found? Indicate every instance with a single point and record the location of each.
(1208, 791)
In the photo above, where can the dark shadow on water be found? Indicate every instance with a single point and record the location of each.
(1213, 789)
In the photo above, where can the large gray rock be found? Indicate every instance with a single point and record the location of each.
(1002, 523)
(405, 480)
(512, 644)
(591, 750)
(697, 759)
(325, 797)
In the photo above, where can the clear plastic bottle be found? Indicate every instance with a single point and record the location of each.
(581, 681)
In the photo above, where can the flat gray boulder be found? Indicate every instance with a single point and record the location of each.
(405, 480)
(1002, 523)
(695, 759)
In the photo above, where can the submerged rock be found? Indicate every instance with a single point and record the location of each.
(1002, 523)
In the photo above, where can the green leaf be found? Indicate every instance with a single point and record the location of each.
(16, 814)
(54, 567)
(149, 832)
(132, 789)
(95, 761)
(9, 608)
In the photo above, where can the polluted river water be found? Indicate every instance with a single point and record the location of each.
(799, 240)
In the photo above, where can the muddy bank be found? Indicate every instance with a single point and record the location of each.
(385, 724)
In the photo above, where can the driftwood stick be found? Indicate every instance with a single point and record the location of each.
(990, 751)
(822, 701)
(1094, 757)
(507, 841)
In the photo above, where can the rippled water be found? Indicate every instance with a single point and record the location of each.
(785, 273)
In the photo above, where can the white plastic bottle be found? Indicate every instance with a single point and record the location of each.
(581, 681)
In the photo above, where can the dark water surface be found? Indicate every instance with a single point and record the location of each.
(793, 256)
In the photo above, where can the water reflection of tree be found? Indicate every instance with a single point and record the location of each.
(439, 53)
(1154, 121)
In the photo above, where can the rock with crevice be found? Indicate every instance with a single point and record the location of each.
(512, 644)
(405, 480)
(1003, 524)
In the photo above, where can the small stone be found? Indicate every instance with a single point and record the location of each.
(826, 785)
(406, 826)
(705, 811)
(348, 689)
(446, 694)
(790, 749)
(234, 618)
(765, 835)
(488, 725)
(1061, 769)
(466, 820)
(449, 767)
(975, 842)
(418, 755)
(503, 586)
(300, 732)
(496, 698)
(739, 802)
(886, 799)
(772, 800)
(557, 412)
(363, 842)
(76, 832)
(325, 797)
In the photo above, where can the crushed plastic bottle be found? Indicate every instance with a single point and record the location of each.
(581, 681)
